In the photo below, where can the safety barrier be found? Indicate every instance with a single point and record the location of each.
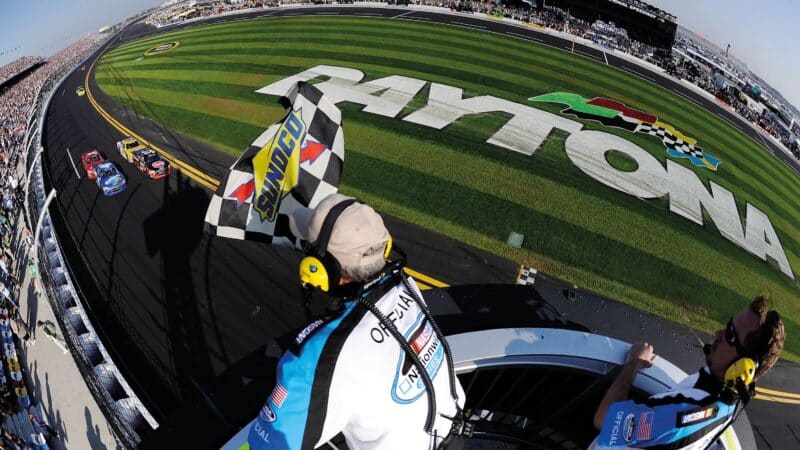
(128, 417)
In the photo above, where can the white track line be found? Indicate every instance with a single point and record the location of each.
(689, 98)
(404, 14)
(524, 36)
(588, 55)
(637, 74)
(468, 25)
(605, 56)
(69, 155)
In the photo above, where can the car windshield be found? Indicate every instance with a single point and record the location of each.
(107, 171)
(132, 144)
(150, 157)
(92, 159)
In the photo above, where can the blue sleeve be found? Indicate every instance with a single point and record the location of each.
(285, 419)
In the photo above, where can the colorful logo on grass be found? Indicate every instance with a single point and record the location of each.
(276, 167)
(612, 113)
(162, 48)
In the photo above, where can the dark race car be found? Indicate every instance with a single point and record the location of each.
(109, 179)
(150, 163)
(90, 160)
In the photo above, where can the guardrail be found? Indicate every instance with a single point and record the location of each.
(126, 414)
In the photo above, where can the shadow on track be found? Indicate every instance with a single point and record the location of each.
(174, 232)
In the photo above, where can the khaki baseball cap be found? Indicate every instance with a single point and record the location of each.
(358, 236)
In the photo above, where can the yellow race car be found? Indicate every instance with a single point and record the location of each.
(80, 91)
(127, 146)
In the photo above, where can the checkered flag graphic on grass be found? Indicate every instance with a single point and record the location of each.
(295, 163)
(669, 140)
(679, 148)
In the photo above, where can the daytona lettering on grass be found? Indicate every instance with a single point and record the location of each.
(526, 131)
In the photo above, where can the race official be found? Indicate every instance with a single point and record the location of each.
(377, 368)
(700, 407)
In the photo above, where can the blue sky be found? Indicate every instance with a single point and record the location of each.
(762, 34)
(43, 27)
(765, 35)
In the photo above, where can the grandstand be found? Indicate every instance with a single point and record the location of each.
(643, 22)
(26, 421)
(19, 68)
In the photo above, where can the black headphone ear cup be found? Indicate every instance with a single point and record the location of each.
(333, 268)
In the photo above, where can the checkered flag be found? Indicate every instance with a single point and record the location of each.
(295, 163)
(526, 276)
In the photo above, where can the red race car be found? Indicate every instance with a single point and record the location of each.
(89, 160)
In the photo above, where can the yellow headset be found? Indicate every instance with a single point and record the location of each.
(320, 268)
(743, 371)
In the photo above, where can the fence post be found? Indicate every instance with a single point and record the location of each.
(25, 153)
(28, 133)
(47, 201)
(28, 183)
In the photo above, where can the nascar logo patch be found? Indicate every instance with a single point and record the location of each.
(267, 414)
(408, 385)
(697, 415)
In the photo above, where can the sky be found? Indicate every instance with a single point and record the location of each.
(43, 27)
(762, 34)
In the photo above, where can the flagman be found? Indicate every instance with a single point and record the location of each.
(374, 366)
(377, 368)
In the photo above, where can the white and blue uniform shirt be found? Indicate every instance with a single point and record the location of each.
(348, 374)
(687, 417)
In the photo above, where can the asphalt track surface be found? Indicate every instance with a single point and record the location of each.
(183, 313)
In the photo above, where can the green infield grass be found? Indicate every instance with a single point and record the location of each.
(453, 182)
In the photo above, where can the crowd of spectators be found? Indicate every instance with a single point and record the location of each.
(600, 32)
(734, 97)
(711, 70)
(17, 66)
(17, 99)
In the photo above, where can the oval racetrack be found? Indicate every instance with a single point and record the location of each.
(181, 311)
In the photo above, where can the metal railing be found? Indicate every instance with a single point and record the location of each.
(128, 417)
